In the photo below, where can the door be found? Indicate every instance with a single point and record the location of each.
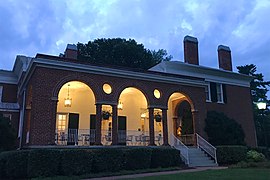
(73, 125)
(122, 130)
(92, 138)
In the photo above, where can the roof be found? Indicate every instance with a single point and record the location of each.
(209, 74)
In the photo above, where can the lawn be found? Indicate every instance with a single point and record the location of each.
(228, 174)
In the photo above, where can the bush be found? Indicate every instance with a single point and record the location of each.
(254, 156)
(76, 162)
(107, 160)
(137, 158)
(43, 162)
(14, 164)
(227, 155)
(165, 157)
(264, 151)
(68, 162)
(222, 130)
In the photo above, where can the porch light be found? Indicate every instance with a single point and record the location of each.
(120, 105)
(261, 105)
(68, 100)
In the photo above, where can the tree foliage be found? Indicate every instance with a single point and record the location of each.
(222, 130)
(259, 89)
(7, 134)
(120, 52)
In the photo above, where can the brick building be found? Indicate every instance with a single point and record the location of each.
(60, 101)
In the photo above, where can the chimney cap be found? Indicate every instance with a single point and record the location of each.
(190, 38)
(72, 47)
(222, 47)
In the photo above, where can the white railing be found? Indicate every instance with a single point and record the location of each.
(176, 143)
(206, 146)
(86, 137)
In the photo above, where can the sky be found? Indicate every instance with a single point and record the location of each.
(29, 27)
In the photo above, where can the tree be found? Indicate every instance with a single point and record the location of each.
(222, 130)
(120, 52)
(7, 134)
(259, 93)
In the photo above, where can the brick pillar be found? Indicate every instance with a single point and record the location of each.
(98, 124)
(114, 125)
(151, 127)
(53, 106)
(165, 127)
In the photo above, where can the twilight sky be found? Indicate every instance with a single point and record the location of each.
(45, 26)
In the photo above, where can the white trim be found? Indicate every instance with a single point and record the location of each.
(54, 64)
(209, 92)
(209, 74)
(221, 93)
(8, 77)
(9, 106)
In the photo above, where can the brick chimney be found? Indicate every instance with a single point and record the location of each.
(224, 58)
(71, 51)
(191, 54)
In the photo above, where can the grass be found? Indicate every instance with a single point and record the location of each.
(235, 174)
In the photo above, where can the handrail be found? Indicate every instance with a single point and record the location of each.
(207, 147)
(175, 142)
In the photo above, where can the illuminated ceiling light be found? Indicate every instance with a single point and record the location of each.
(143, 115)
(68, 100)
(120, 105)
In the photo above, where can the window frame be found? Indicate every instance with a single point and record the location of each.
(1, 93)
(208, 91)
(219, 93)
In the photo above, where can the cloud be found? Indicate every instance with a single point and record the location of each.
(32, 26)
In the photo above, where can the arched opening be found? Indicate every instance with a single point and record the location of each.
(133, 118)
(75, 118)
(180, 117)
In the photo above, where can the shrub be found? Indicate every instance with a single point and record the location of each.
(14, 164)
(264, 151)
(165, 157)
(254, 156)
(227, 155)
(68, 162)
(107, 160)
(137, 158)
(43, 162)
(76, 162)
(222, 130)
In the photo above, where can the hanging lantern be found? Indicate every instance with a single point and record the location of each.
(68, 100)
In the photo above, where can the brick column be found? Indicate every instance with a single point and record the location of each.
(98, 124)
(114, 125)
(151, 127)
(53, 113)
(165, 127)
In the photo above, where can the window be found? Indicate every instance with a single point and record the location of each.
(61, 122)
(1, 92)
(8, 116)
(217, 93)
(207, 92)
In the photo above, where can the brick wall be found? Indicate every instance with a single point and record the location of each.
(238, 107)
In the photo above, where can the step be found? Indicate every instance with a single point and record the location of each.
(202, 165)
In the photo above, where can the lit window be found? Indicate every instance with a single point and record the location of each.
(157, 93)
(61, 122)
(219, 93)
(107, 88)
